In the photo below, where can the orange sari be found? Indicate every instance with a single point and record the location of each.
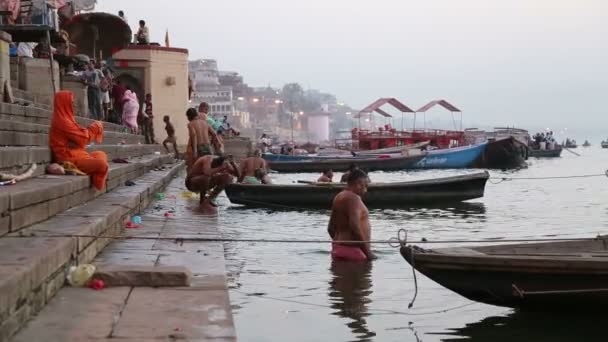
(68, 141)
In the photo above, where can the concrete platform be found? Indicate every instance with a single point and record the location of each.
(34, 262)
(200, 312)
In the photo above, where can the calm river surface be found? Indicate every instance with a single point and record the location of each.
(292, 292)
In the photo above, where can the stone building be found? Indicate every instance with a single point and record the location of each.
(163, 73)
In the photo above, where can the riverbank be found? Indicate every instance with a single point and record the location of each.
(199, 312)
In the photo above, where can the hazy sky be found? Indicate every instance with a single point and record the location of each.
(531, 63)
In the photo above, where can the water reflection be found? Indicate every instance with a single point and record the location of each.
(349, 292)
(526, 326)
(462, 210)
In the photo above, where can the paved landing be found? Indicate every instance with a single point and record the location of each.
(200, 312)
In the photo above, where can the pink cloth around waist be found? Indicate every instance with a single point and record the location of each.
(348, 253)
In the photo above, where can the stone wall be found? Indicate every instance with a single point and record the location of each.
(239, 147)
(35, 78)
(5, 67)
(75, 85)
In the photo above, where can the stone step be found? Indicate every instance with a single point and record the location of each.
(16, 160)
(16, 133)
(199, 312)
(36, 199)
(33, 267)
(37, 115)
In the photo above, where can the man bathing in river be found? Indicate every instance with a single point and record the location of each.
(326, 177)
(209, 176)
(254, 170)
(349, 221)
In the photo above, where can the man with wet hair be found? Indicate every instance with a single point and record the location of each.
(254, 169)
(349, 221)
(209, 176)
(326, 177)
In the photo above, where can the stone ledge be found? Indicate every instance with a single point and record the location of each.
(18, 157)
(148, 276)
(37, 199)
(32, 268)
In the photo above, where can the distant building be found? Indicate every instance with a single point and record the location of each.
(218, 88)
(318, 125)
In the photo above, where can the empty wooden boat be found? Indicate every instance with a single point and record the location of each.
(379, 195)
(550, 276)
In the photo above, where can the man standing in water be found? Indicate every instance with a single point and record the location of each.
(254, 170)
(349, 221)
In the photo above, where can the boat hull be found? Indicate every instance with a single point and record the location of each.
(554, 153)
(454, 158)
(503, 153)
(538, 283)
(343, 164)
(379, 195)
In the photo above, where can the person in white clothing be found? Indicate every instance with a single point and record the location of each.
(26, 50)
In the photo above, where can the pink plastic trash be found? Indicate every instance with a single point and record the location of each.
(97, 284)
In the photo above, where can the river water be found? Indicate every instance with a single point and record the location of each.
(293, 292)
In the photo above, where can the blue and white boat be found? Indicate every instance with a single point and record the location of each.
(452, 158)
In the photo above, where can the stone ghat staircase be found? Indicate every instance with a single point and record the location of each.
(33, 260)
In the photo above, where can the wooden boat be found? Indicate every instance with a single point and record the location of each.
(503, 153)
(393, 150)
(570, 143)
(343, 164)
(550, 276)
(537, 153)
(379, 195)
(452, 158)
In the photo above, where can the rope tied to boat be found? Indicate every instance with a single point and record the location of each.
(402, 240)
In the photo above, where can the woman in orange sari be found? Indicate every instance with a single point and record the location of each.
(68, 141)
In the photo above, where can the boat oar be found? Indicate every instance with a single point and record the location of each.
(315, 183)
(569, 150)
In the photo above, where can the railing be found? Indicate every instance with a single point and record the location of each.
(45, 17)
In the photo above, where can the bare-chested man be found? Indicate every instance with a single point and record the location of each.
(209, 176)
(216, 139)
(201, 134)
(254, 170)
(326, 177)
(350, 221)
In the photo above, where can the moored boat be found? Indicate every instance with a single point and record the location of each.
(379, 195)
(503, 153)
(538, 153)
(549, 276)
(343, 164)
(452, 158)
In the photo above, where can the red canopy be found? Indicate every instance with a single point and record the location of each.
(375, 107)
(443, 103)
